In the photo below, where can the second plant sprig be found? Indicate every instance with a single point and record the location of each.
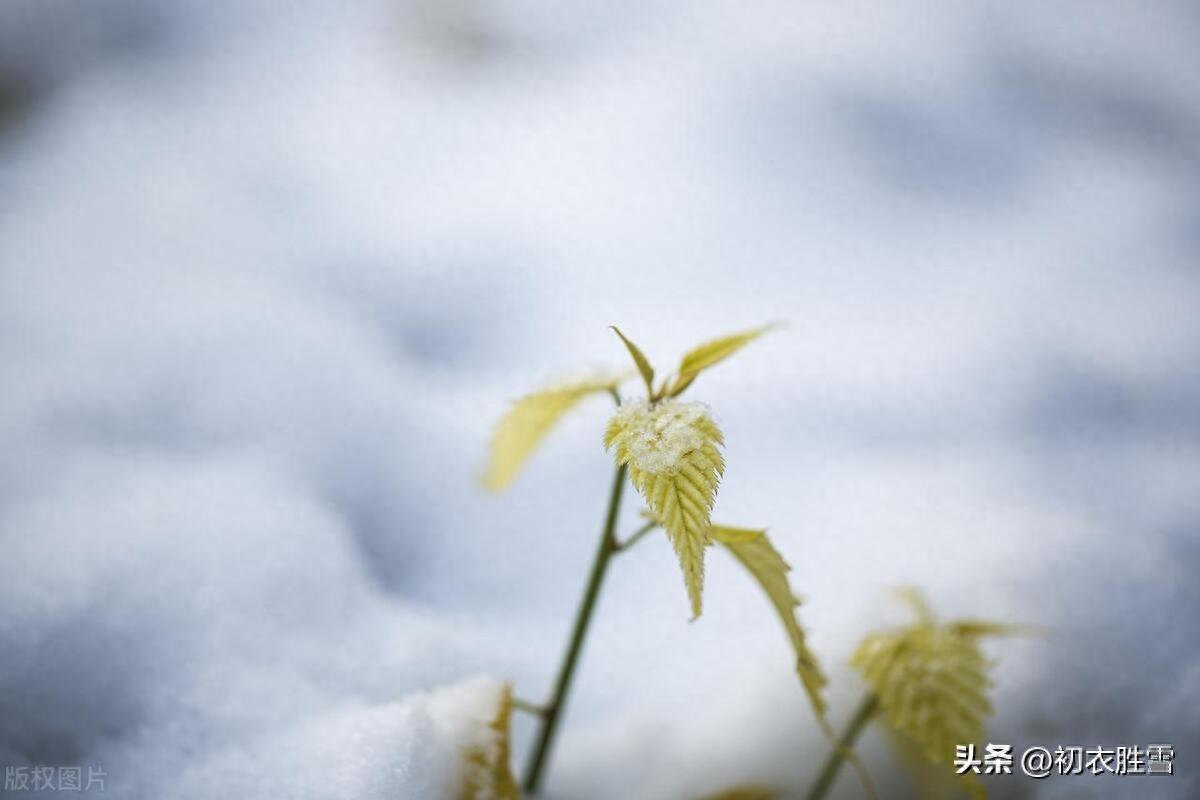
(928, 683)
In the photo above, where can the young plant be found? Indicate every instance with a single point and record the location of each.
(670, 450)
(928, 683)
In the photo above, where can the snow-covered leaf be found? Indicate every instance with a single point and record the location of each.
(756, 553)
(672, 451)
(520, 431)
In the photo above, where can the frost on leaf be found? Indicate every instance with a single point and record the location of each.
(486, 774)
(756, 553)
(672, 452)
(931, 681)
(528, 421)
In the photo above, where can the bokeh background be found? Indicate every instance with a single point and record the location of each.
(270, 272)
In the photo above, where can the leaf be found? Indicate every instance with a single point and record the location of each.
(756, 553)
(745, 793)
(710, 353)
(639, 358)
(486, 774)
(932, 685)
(680, 383)
(520, 431)
(914, 598)
(932, 682)
(983, 627)
(672, 452)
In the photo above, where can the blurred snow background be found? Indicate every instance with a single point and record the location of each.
(268, 274)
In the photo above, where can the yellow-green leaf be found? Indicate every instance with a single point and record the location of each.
(931, 680)
(673, 453)
(983, 627)
(912, 597)
(710, 353)
(486, 773)
(932, 685)
(756, 553)
(528, 421)
(639, 358)
(680, 383)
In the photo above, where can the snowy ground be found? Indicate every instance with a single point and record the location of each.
(268, 276)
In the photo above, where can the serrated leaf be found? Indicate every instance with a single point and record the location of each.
(756, 553)
(931, 680)
(639, 359)
(932, 685)
(710, 353)
(745, 793)
(486, 773)
(527, 422)
(672, 450)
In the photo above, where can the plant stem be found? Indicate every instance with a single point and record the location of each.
(553, 709)
(636, 536)
(528, 707)
(845, 744)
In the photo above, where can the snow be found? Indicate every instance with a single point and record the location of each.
(409, 748)
(268, 276)
(658, 437)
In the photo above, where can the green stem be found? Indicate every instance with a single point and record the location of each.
(553, 709)
(636, 536)
(520, 704)
(845, 745)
